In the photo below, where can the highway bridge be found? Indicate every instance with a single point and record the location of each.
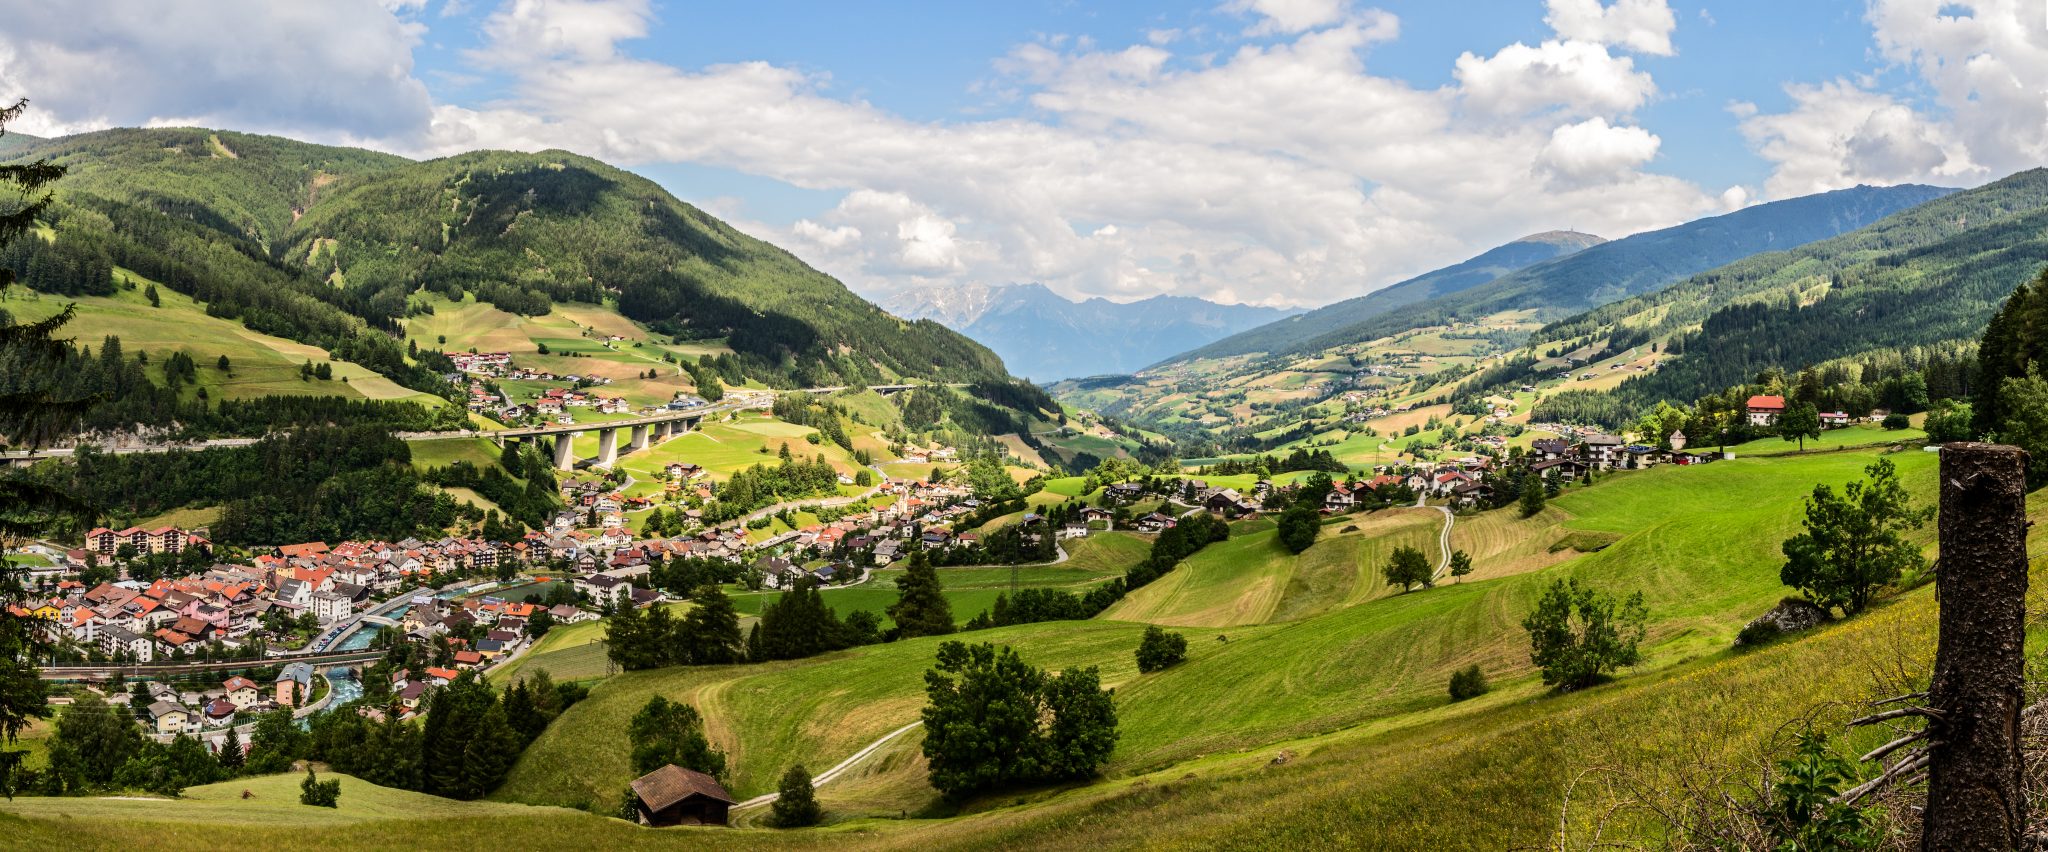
(642, 431)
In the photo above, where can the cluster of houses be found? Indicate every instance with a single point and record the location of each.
(556, 402)
(227, 603)
(237, 700)
(1763, 410)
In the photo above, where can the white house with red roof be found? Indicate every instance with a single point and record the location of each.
(1764, 410)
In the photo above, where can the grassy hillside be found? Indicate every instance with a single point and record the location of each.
(1251, 579)
(259, 364)
(1705, 568)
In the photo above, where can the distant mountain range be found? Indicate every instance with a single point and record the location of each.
(1495, 262)
(1570, 282)
(1044, 336)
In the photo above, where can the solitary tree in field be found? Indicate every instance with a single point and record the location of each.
(796, 801)
(1798, 423)
(1854, 543)
(223, 366)
(1160, 649)
(1298, 526)
(666, 732)
(994, 721)
(1461, 564)
(1577, 634)
(1408, 568)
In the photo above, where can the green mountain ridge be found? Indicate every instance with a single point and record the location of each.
(1500, 260)
(321, 244)
(1643, 262)
(1930, 275)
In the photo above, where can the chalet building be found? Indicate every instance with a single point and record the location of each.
(1765, 410)
(1155, 522)
(1602, 452)
(673, 795)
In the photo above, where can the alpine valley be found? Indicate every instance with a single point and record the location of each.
(452, 482)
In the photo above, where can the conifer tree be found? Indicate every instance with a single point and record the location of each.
(921, 608)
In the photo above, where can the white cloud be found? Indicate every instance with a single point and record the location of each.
(1593, 150)
(1577, 77)
(1289, 16)
(1643, 26)
(339, 71)
(526, 31)
(1986, 66)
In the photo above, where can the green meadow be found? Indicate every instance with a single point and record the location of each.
(258, 364)
(1330, 716)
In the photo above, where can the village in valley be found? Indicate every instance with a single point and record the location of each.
(1256, 425)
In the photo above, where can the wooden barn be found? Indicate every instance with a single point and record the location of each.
(673, 795)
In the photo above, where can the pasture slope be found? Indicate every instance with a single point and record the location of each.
(1355, 694)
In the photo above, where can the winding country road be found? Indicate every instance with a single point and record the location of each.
(826, 776)
(1443, 539)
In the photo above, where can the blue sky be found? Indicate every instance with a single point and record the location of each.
(1269, 151)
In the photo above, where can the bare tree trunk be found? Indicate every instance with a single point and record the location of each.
(1974, 794)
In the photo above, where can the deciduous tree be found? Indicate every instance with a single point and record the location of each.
(1577, 634)
(1854, 543)
(1408, 568)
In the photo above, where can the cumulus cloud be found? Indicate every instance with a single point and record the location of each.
(1573, 76)
(1643, 26)
(339, 70)
(1986, 66)
(1593, 149)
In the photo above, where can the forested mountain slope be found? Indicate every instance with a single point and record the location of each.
(322, 244)
(1285, 334)
(1930, 275)
(1646, 262)
(525, 230)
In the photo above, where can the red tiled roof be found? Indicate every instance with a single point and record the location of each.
(1767, 403)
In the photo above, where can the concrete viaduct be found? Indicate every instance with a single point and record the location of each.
(641, 431)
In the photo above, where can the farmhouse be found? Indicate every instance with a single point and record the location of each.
(673, 795)
(1764, 410)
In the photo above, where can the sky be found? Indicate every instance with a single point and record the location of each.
(1272, 152)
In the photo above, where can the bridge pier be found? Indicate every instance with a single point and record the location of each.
(639, 438)
(607, 447)
(565, 451)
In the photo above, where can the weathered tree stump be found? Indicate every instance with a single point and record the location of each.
(1975, 798)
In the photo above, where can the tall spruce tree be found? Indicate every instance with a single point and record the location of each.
(33, 417)
(921, 608)
(710, 632)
